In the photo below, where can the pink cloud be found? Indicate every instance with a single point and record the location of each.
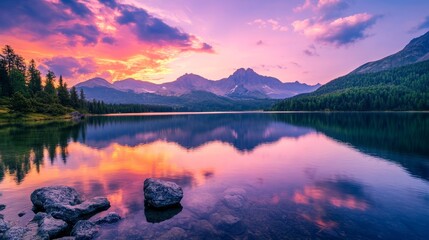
(270, 23)
(341, 31)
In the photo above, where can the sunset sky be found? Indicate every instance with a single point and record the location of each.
(311, 41)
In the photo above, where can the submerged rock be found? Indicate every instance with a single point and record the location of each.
(234, 197)
(70, 213)
(228, 223)
(20, 214)
(174, 233)
(84, 230)
(162, 194)
(2, 207)
(111, 217)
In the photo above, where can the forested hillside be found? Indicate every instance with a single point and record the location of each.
(22, 91)
(403, 88)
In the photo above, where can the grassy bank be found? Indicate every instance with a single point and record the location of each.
(8, 117)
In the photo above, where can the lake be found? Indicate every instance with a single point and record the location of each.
(244, 175)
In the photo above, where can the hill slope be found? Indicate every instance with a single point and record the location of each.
(416, 51)
(403, 88)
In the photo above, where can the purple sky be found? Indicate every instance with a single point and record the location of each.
(311, 41)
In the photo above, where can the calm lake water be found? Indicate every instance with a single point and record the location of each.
(244, 176)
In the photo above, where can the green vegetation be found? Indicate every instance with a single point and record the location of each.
(399, 89)
(24, 97)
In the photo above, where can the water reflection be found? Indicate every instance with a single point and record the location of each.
(323, 195)
(157, 216)
(244, 175)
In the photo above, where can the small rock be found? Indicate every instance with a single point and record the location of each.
(21, 214)
(111, 217)
(2, 207)
(72, 214)
(15, 233)
(77, 116)
(84, 230)
(4, 226)
(174, 233)
(49, 225)
(161, 194)
(63, 195)
(66, 238)
(32, 232)
(204, 228)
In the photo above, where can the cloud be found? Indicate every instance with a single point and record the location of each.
(424, 24)
(143, 44)
(341, 31)
(326, 9)
(69, 67)
(260, 42)
(269, 67)
(77, 8)
(270, 23)
(88, 33)
(109, 3)
(153, 30)
(311, 51)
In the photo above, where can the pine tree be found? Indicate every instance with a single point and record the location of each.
(34, 79)
(82, 99)
(74, 99)
(5, 86)
(63, 93)
(49, 83)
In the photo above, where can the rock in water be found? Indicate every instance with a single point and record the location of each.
(49, 225)
(162, 194)
(4, 226)
(111, 217)
(2, 207)
(65, 203)
(174, 233)
(84, 230)
(75, 213)
(63, 195)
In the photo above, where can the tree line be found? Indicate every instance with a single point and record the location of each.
(24, 91)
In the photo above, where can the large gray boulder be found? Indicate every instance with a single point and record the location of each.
(84, 230)
(65, 203)
(162, 194)
(43, 197)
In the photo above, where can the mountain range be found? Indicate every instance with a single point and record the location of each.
(397, 82)
(239, 91)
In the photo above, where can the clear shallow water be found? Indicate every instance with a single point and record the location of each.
(245, 176)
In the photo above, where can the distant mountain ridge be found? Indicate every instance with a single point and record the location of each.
(415, 51)
(243, 83)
